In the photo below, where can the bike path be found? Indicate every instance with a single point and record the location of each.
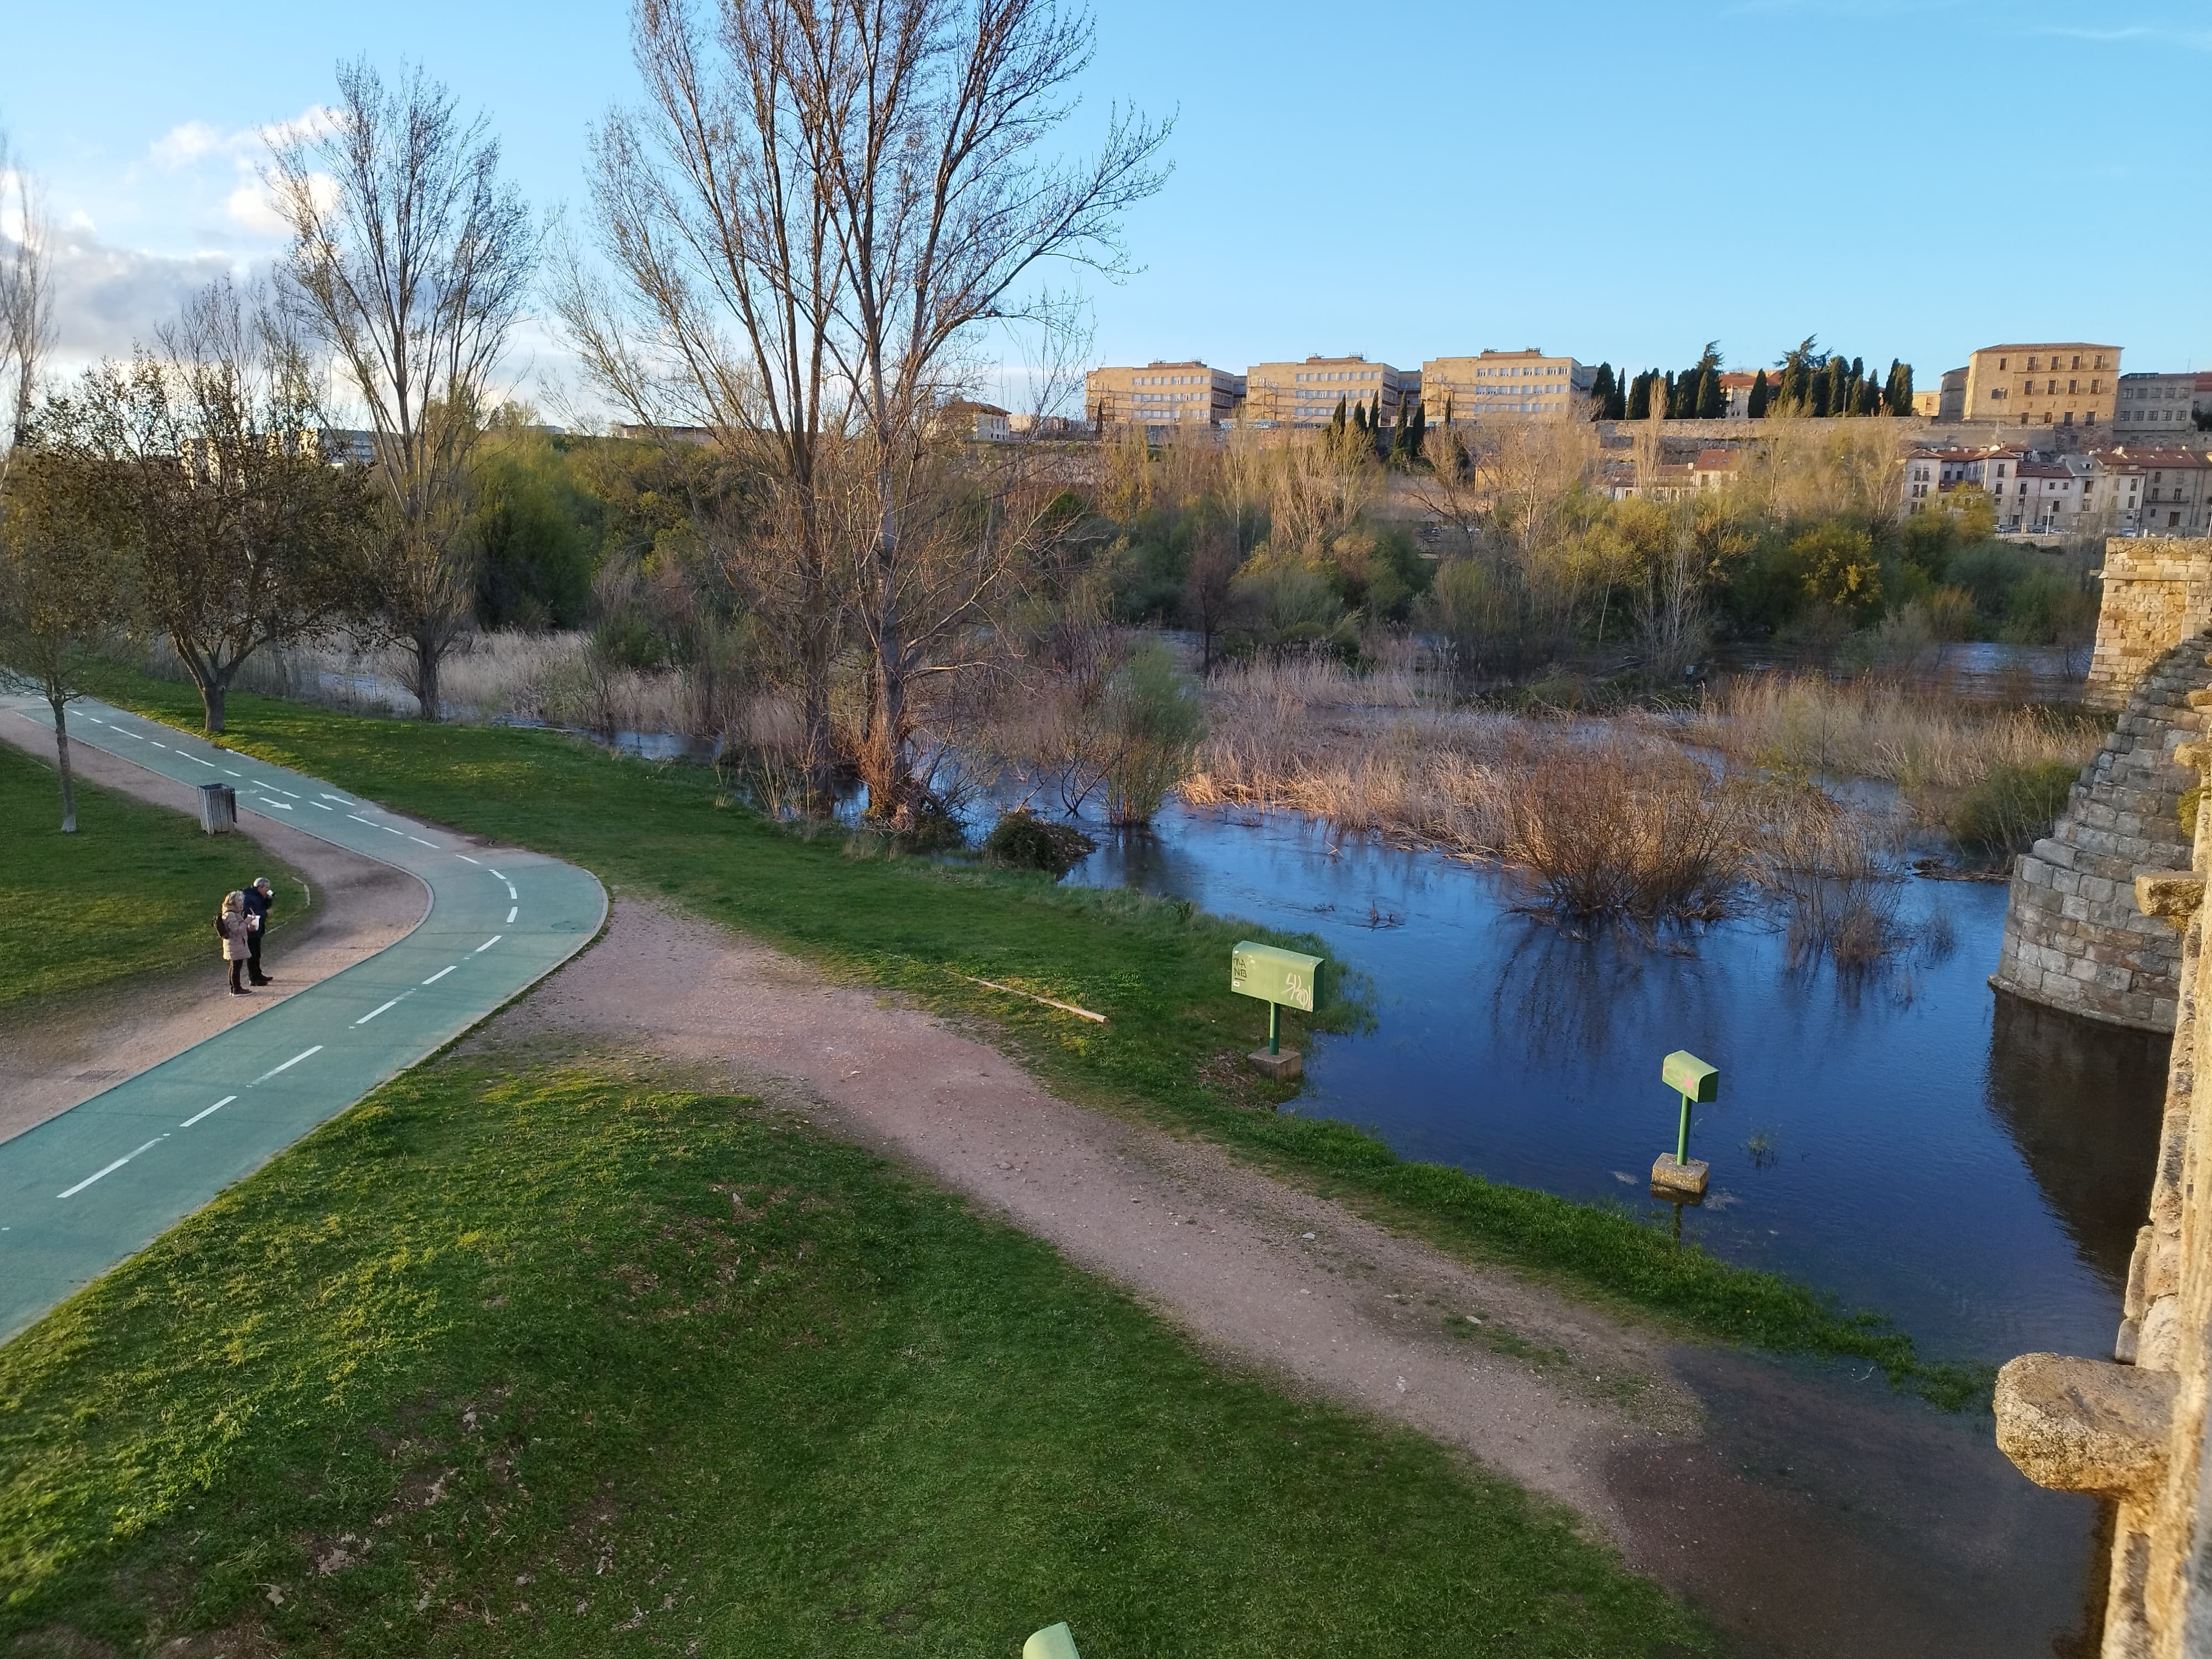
(91, 1187)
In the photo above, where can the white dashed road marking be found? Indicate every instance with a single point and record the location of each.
(511, 915)
(111, 1168)
(288, 1065)
(373, 1012)
(440, 973)
(206, 1111)
(487, 945)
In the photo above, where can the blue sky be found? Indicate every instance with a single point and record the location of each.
(1619, 181)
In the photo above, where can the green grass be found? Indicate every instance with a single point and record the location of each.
(561, 1362)
(134, 891)
(1155, 967)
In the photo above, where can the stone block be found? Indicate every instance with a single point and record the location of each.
(2077, 908)
(2065, 881)
(2085, 1425)
(1679, 1182)
(1282, 1068)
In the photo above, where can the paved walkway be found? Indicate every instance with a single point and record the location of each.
(84, 1190)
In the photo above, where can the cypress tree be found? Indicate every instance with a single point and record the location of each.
(1359, 417)
(1711, 405)
(1756, 406)
(1417, 429)
(1639, 398)
(1671, 407)
(1336, 421)
(1601, 391)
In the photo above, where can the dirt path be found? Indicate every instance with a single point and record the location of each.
(1810, 1514)
(53, 1057)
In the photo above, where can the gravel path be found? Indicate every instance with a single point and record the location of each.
(1809, 1513)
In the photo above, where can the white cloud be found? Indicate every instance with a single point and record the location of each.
(252, 207)
(181, 146)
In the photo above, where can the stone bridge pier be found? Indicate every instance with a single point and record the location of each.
(2073, 937)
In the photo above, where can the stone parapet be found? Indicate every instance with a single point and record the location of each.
(2073, 937)
(2157, 592)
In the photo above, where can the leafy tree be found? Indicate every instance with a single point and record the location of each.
(1840, 567)
(1755, 405)
(209, 459)
(62, 590)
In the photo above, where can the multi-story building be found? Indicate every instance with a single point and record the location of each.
(1162, 394)
(1736, 386)
(2052, 384)
(1947, 402)
(1306, 393)
(2156, 407)
(1506, 386)
(2170, 490)
(2032, 492)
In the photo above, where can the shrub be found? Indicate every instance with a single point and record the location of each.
(2011, 806)
(1022, 841)
(1157, 719)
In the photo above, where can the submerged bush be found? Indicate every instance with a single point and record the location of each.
(1022, 841)
(2011, 807)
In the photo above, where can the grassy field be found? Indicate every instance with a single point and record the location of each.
(1157, 968)
(134, 891)
(565, 1363)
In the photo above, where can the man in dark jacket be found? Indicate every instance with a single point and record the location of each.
(260, 899)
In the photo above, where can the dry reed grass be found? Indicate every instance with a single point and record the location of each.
(548, 679)
(1926, 744)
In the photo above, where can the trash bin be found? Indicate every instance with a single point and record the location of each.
(218, 808)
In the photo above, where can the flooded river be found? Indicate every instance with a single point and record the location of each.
(1907, 1140)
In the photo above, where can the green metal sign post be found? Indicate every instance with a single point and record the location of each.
(1683, 1175)
(1279, 978)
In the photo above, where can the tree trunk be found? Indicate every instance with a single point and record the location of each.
(61, 760)
(429, 656)
(214, 689)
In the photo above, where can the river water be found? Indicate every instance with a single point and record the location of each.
(1907, 1139)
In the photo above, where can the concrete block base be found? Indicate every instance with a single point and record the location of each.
(1282, 1068)
(1685, 1181)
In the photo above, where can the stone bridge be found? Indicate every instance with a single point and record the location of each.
(2072, 937)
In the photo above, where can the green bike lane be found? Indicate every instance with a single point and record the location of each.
(90, 1187)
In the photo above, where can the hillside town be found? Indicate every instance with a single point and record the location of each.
(2052, 435)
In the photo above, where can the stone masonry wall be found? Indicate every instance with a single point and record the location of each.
(2137, 1428)
(2158, 593)
(2072, 936)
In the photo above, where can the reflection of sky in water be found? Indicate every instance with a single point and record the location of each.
(1986, 1201)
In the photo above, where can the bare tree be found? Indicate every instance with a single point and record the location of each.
(27, 301)
(818, 208)
(203, 461)
(719, 317)
(924, 120)
(409, 261)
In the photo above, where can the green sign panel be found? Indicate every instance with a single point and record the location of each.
(1288, 977)
(1690, 1077)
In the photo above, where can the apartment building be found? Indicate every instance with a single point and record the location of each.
(1737, 387)
(1506, 386)
(2169, 490)
(2159, 406)
(1162, 394)
(2065, 383)
(2031, 492)
(1306, 393)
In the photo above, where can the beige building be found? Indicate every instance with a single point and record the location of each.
(2161, 492)
(2157, 407)
(2053, 384)
(1162, 394)
(1506, 386)
(1306, 393)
